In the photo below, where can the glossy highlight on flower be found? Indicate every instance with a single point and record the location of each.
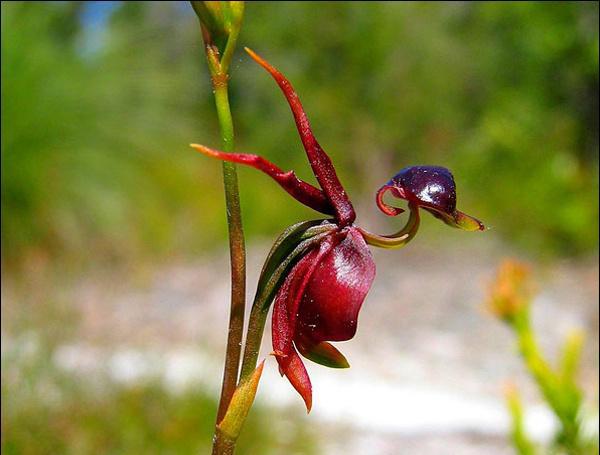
(322, 282)
(431, 188)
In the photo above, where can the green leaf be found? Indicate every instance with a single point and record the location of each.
(215, 22)
(323, 353)
(240, 405)
(521, 442)
(570, 357)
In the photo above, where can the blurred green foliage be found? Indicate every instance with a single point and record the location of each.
(510, 300)
(96, 119)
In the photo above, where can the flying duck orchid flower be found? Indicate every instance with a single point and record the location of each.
(319, 272)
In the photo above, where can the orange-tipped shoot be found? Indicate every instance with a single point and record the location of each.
(511, 291)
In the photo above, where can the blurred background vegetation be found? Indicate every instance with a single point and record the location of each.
(101, 99)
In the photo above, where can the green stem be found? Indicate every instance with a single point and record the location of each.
(549, 383)
(531, 354)
(256, 328)
(522, 443)
(222, 445)
(220, 21)
(237, 252)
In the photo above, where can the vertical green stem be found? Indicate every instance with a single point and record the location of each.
(256, 328)
(522, 443)
(553, 390)
(236, 248)
(222, 445)
(220, 23)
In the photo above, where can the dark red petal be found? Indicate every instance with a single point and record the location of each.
(283, 326)
(289, 362)
(302, 191)
(298, 376)
(336, 291)
(319, 160)
(285, 310)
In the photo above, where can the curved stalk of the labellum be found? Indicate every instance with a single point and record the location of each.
(431, 188)
(320, 162)
(400, 238)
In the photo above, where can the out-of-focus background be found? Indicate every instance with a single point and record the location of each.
(114, 252)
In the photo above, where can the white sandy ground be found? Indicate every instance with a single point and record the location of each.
(350, 398)
(428, 365)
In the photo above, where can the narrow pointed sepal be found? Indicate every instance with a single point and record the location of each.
(296, 373)
(319, 160)
(300, 190)
(285, 310)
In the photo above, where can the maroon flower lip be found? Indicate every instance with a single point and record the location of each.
(431, 188)
(322, 294)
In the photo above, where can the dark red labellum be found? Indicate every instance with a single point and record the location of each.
(431, 188)
(427, 186)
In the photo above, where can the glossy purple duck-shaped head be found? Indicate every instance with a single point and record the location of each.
(431, 188)
(321, 295)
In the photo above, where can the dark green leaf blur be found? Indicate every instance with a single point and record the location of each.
(96, 119)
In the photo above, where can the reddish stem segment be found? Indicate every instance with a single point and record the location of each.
(302, 191)
(319, 161)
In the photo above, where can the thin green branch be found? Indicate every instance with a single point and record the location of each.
(400, 238)
(217, 26)
(237, 255)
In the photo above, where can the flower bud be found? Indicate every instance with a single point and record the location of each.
(512, 290)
